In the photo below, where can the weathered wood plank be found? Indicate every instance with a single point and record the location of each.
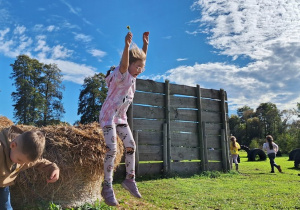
(186, 168)
(182, 90)
(150, 138)
(214, 155)
(149, 86)
(149, 99)
(148, 112)
(191, 91)
(146, 169)
(210, 105)
(183, 127)
(214, 166)
(147, 125)
(184, 153)
(177, 102)
(150, 153)
(211, 117)
(183, 102)
(213, 142)
(184, 139)
(213, 128)
(183, 114)
(158, 87)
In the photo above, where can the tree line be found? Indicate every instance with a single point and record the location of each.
(39, 92)
(250, 126)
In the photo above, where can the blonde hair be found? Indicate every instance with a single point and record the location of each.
(32, 144)
(135, 54)
(233, 140)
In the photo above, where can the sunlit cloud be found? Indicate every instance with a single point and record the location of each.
(181, 59)
(72, 71)
(266, 32)
(82, 37)
(97, 53)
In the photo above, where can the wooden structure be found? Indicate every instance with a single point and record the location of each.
(178, 129)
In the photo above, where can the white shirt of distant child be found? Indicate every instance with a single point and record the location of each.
(267, 148)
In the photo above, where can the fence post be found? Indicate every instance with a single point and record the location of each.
(204, 160)
(225, 127)
(165, 148)
(167, 114)
(200, 133)
(224, 153)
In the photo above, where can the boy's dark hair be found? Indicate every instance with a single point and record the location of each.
(33, 144)
(270, 140)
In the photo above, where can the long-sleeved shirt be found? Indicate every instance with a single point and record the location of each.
(121, 89)
(267, 148)
(10, 170)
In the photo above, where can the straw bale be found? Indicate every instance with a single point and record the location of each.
(79, 153)
(5, 122)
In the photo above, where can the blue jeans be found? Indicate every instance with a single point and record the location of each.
(272, 160)
(5, 199)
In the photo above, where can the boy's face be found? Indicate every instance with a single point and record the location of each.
(136, 68)
(16, 154)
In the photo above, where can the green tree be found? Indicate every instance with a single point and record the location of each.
(26, 75)
(51, 90)
(245, 113)
(269, 117)
(91, 98)
(38, 92)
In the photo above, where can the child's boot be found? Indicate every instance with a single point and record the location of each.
(279, 169)
(109, 196)
(237, 167)
(130, 185)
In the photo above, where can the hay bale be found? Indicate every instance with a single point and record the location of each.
(79, 153)
(5, 122)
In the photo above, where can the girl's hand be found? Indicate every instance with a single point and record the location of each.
(54, 176)
(128, 38)
(146, 37)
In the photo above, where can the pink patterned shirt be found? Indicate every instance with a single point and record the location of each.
(121, 89)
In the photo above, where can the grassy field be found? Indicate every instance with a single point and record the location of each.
(253, 188)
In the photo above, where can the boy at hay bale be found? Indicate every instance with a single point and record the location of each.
(19, 151)
(79, 153)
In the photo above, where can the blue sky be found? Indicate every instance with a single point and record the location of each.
(249, 48)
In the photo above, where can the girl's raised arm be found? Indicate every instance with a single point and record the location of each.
(125, 57)
(145, 41)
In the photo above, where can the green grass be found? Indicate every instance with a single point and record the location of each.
(253, 188)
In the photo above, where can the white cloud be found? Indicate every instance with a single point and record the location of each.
(167, 37)
(52, 28)
(181, 59)
(19, 30)
(15, 42)
(267, 32)
(250, 27)
(60, 52)
(82, 37)
(97, 53)
(72, 71)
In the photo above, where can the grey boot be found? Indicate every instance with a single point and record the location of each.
(237, 167)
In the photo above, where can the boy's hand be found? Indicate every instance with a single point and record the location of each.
(54, 176)
(146, 37)
(128, 38)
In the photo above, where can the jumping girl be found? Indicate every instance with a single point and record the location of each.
(121, 83)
